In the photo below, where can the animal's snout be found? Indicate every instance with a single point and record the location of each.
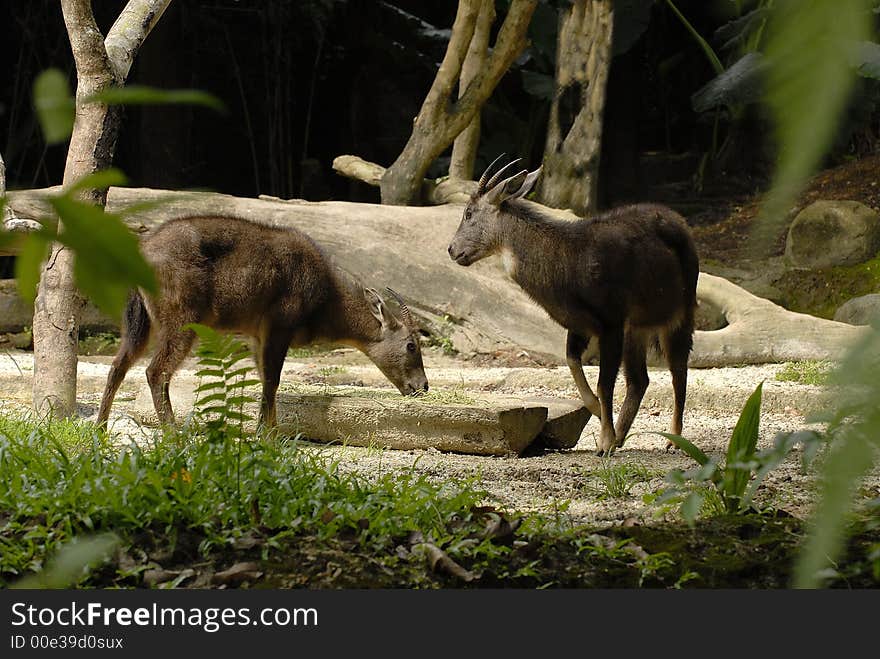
(457, 255)
(417, 388)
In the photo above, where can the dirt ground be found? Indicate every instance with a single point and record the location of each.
(562, 482)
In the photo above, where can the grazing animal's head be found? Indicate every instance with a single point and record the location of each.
(479, 234)
(396, 351)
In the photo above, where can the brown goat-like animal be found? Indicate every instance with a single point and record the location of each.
(627, 277)
(274, 285)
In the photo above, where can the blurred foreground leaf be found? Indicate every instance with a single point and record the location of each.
(54, 105)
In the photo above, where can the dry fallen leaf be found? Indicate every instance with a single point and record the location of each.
(237, 574)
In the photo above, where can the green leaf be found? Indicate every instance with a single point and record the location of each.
(846, 466)
(742, 446)
(108, 259)
(54, 105)
(143, 95)
(99, 181)
(690, 507)
(865, 56)
(72, 562)
(808, 81)
(539, 85)
(28, 263)
(740, 84)
(686, 446)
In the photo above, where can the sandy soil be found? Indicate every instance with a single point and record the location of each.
(565, 482)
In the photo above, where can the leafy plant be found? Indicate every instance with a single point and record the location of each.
(615, 481)
(744, 469)
(219, 406)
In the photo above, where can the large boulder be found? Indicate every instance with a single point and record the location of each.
(860, 310)
(829, 233)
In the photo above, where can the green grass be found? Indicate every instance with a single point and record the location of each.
(805, 372)
(64, 479)
(615, 480)
(305, 352)
(326, 371)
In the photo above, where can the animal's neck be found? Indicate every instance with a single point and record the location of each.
(530, 247)
(346, 317)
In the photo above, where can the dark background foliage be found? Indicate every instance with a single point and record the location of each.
(307, 81)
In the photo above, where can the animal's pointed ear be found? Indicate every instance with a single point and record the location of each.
(378, 308)
(528, 184)
(505, 189)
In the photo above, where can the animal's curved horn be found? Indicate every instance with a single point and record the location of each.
(481, 186)
(526, 187)
(495, 179)
(404, 310)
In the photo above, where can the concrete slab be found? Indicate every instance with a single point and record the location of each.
(566, 420)
(490, 427)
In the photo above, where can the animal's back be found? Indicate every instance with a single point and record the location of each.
(232, 273)
(650, 261)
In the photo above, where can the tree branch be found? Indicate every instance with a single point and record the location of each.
(86, 40)
(135, 22)
(464, 149)
(509, 44)
(453, 59)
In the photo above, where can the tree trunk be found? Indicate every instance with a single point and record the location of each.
(574, 132)
(464, 149)
(7, 210)
(100, 64)
(440, 120)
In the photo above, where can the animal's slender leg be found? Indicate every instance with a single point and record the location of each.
(126, 356)
(274, 349)
(174, 346)
(636, 372)
(610, 352)
(574, 349)
(677, 346)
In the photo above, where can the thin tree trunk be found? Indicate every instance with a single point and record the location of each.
(7, 210)
(440, 121)
(574, 132)
(100, 64)
(464, 149)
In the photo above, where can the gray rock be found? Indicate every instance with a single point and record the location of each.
(860, 310)
(829, 233)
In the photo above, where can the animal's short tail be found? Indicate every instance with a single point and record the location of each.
(135, 324)
(135, 336)
(675, 233)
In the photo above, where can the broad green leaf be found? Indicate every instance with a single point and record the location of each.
(742, 446)
(28, 263)
(99, 180)
(539, 85)
(143, 95)
(850, 460)
(866, 58)
(72, 562)
(686, 446)
(690, 507)
(808, 81)
(54, 105)
(108, 259)
(740, 84)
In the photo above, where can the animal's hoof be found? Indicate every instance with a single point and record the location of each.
(600, 452)
(670, 446)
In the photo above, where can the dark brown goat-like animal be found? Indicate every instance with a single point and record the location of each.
(274, 285)
(627, 277)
